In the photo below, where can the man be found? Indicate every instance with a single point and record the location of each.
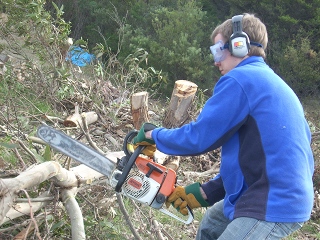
(264, 189)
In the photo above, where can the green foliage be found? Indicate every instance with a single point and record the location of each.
(16, 93)
(43, 33)
(42, 47)
(175, 42)
(312, 229)
(8, 145)
(47, 153)
(6, 153)
(60, 229)
(111, 229)
(65, 90)
(299, 66)
(176, 34)
(173, 34)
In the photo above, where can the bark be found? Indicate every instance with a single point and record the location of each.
(36, 174)
(76, 119)
(180, 103)
(74, 213)
(177, 113)
(139, 109)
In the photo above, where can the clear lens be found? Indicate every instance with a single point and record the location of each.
(218, 51)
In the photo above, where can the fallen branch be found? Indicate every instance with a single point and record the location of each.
(76, 120)
(37, 140)
(35, 175)
(16, 152)
(157, 229)
(52, 119)
(35, 225)
(22, 235)
(127, 217)
(74, 213)
(85, 130)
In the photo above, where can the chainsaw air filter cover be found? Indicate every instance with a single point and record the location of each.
(140, 187)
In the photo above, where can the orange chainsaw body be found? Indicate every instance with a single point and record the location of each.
(166, 178)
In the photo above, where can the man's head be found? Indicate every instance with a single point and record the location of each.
(252, 27)
(236, 39)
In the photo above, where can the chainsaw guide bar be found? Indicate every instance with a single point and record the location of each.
(76, 150)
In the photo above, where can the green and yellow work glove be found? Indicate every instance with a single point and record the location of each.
(141, 139)
(187, 196)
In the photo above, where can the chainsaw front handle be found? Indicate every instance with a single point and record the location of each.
(127, 145)
(128, 167)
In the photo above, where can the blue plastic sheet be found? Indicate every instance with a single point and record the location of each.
(79, 57)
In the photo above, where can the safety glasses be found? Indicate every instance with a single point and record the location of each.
(218, 52)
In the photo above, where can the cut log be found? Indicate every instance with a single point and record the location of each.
(139, 109)
(181, 102)
(75, 120)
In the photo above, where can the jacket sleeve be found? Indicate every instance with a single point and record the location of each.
(214, 190)
(217, 122)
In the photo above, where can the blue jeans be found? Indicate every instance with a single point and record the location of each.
(215, 225)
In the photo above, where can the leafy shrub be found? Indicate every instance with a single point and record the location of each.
(299, 65)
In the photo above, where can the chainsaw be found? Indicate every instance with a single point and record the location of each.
(133, 176)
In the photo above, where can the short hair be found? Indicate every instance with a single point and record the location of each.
(253, 27)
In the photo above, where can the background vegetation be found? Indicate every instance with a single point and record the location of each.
(176, 35)
(140, 45)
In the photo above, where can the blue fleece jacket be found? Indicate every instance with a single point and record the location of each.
(266, 159)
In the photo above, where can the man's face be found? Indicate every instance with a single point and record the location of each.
(227, 62)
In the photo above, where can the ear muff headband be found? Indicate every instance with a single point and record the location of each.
(239, 43)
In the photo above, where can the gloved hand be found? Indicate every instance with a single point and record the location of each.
(189, 195)
(141, 139)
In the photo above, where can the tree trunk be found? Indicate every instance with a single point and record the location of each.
(139, 109)
(181, 102)
(177, 114)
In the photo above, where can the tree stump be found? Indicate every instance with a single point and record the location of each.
(139, 109)
(181, 102)
(177, 114)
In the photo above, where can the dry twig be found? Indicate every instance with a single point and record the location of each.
(127, 217)
(27, 150)
(16, 152)
(157, 229)
(32, 218)
(85, 130)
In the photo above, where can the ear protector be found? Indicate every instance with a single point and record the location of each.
(239, 43)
